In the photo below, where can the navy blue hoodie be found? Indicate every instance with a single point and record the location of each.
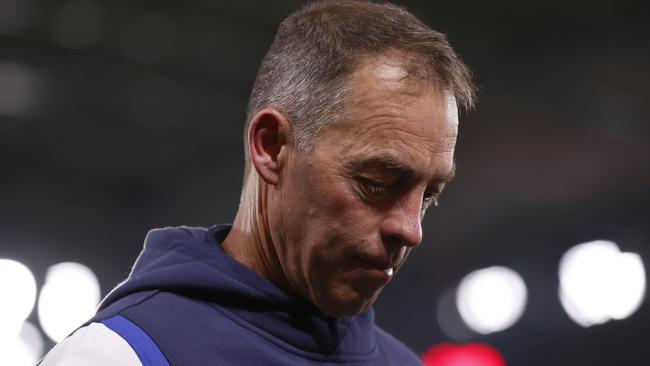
(202, 307)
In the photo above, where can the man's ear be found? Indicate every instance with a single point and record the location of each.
(267, 135)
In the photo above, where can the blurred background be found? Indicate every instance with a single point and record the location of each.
(117, 117)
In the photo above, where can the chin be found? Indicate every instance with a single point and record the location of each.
(338, 307)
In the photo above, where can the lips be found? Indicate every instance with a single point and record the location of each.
(376, 262)
(384, 263)
(375, 268)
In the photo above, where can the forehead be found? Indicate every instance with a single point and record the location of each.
(394, 117)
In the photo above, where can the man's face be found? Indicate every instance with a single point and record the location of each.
(347, 214)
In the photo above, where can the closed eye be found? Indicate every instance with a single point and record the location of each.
(373, 188)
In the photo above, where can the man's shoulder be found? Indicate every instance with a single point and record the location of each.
(95, 344)
(395, 350)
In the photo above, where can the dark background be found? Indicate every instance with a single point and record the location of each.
(120, 116)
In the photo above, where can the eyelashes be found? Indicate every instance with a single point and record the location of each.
(374, 188)
(376, 191)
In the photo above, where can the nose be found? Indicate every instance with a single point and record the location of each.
(402, 224)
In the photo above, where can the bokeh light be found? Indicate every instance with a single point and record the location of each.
(69, 297)
(22, 349)
(17, 294)
(598, 282)
(491, 299)
(471, 354)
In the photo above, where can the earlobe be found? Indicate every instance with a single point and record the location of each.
(267, 136)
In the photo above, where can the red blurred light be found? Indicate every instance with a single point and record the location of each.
(471, 354)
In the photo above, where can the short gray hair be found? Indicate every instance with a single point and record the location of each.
(316, 48)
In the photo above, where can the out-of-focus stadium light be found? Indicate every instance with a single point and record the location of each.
(491, 299)
(69, 297)
(22, 349)
(599, 283)
(17, 294)
(471, 354)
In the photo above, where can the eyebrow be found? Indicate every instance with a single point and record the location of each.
(391, 163)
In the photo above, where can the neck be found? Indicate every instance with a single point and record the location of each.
(249, 240)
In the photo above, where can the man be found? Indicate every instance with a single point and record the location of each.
(350, 137)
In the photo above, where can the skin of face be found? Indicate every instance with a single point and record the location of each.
(346, 214)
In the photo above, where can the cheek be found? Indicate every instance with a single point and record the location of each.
(346, 227)
(324, 219)
(341, 208)
(328, 216)
(329, 194)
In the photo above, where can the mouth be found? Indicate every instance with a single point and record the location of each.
(385, 265)
(377, 267)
